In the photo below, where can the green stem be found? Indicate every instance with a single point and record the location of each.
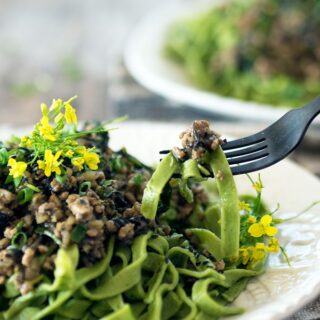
(34, 158)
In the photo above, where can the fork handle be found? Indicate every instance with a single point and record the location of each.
(311, 110)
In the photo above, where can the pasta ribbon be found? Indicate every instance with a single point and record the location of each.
(126, 278)
(160, 177)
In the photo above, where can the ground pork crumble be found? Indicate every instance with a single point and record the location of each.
(84, 209)
(197, 140)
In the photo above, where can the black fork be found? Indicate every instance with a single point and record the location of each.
(272, 144)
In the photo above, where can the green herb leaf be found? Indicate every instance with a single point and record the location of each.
(84, 187)
(8, 180)
(3, 156)
(42, 230)
(79, 233)
(137, 179)
(52, 236)
(19, 240)
(16, 181)
(117, 164)
(32, 187)
(106, 183)
(61, 179)
(25, 195)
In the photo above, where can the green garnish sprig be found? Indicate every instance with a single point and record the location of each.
(53, 143)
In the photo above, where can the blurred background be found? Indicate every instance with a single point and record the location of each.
(60, 48)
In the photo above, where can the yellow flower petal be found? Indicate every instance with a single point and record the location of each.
(70, 114)
(69, 153)
(44, 109)
(81, 150)
(258, 251)
(50, 163)
(78, 163)
(258, 255)
(257, 186)
(260, 246)
(273, 245)
(25, 142)
(47, 171)
(57, 155)
(17, 168)
(56, 104)
(252, 219)
(266, 220)
(46, 130)
(245, 256)
(91, 159)
(12, 162)
(41, 164)
(271, 231)
(256, 230)
(244, 206)
(57, 170)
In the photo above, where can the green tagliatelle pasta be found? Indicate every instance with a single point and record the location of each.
(160, 177)
(230, 218)
(194, 258)
(120, 290)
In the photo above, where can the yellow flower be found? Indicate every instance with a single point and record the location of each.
(263, 227)
(70, 114)
(244, 254)
(50, 163)
(273, 245)
(252, 254)
(69, 153)
(56, 104)
(80, 149)
(46, 130)
(78, 163)
(258, 186)
(91, 159)
(244, 206)
(258, 251)
(17, 168)
(25, 142)
(44, 109)
(251, 219)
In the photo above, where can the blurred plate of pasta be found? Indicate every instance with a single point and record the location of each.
(146, 60)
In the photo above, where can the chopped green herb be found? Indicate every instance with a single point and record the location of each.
(79, 233)
(84, 187)
(25, 195)
(19, 240)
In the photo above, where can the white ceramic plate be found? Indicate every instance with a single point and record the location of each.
(144, 59)
(281, 290)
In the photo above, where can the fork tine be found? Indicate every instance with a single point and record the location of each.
(164, 151)
(243, 142)
(246, 150)
(242, 150)
(253, 166)
(249, 157)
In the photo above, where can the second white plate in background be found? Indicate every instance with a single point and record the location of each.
(146, 62)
